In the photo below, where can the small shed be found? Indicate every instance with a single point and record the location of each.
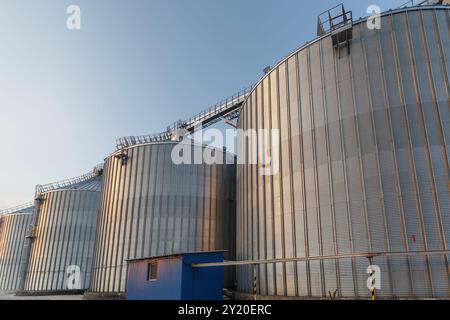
(172, 277)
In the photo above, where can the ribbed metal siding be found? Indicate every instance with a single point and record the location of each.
(364, 163)
(13, 228)
(151, 207)
(65, 234)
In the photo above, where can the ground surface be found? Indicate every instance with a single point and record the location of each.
(11, 296)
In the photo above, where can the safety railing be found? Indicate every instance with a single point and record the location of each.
(70, 182)
(126, 142)
(413, 3)
(202, 119)
(16, 208)
(219, 108)
(334, 19)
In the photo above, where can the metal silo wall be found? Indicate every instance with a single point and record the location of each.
(152, 207)
(65, 234)
(364, 163)
(13, 228)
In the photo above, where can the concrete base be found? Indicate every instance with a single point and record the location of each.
(12, 296)
(247, 296)
(8, 292)
(103, 296)
(23, 293)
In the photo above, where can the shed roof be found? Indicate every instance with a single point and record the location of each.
(175, 255)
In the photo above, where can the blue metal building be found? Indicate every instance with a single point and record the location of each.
(172, 277)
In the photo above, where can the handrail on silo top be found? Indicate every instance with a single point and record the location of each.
(225, 109)
(16, 208)
(97, 171)
(415, 3)
(334, 19)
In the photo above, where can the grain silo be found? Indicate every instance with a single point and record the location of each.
(62, 235)
(14, 223)
(364, 145)
(151, 206)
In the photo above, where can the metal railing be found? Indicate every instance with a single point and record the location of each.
(220, 108)
(334, 19)
(413, 3)
(225, 109)
(16, 208)
(69, 182)
(126, 142)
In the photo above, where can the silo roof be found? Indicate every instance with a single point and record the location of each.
(24, 208)
(90, 181)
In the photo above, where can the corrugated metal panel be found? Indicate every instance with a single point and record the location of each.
(364, 162)
(13, 228)
(64, 236)
(152, 207)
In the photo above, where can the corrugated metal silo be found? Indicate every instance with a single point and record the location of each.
(13, 227)
(364, 153)
(152, 207)
(62, 238)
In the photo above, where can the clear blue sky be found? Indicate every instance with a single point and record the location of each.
(135, 67)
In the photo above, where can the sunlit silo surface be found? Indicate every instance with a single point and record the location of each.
(13, 227)
(364, 163)
(62, 240)
(152, 207)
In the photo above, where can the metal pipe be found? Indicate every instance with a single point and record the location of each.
(343, 256)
